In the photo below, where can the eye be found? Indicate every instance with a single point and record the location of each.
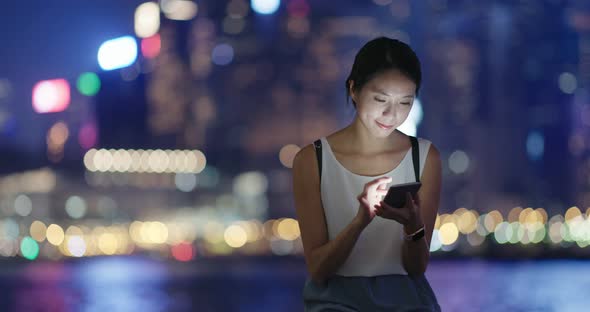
(380, 100)
(407, 103)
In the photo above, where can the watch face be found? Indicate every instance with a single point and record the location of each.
(418, 235)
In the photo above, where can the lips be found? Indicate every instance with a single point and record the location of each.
(382, 126)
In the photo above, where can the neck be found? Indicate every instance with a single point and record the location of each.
(360, 139)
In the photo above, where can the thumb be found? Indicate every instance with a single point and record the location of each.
(364, 201)
(409, 199)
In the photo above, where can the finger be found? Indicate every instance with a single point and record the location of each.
(379, 181)
(382, 187)
(382, 192)
(409, 199)
(365, 201)
(392, 214)
(378, 210)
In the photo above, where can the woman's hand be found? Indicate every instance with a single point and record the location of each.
(408, 215)
(372, 194)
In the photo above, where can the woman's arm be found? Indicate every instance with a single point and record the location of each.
(415, 254)
(323, 257)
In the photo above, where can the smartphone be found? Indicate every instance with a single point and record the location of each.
(396, 195)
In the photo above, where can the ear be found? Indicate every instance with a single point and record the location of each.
(351, 90)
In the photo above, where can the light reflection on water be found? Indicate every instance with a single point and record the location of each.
(548, 285)
(119, 284)
(143, 284)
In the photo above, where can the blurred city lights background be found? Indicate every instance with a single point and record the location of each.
(159, 136)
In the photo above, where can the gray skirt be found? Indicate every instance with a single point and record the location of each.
(376, 293)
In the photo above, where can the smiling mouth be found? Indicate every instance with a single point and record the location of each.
(383, 126)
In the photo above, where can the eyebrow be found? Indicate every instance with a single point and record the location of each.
(385, 93)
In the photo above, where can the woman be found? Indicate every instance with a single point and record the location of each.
(361, 253)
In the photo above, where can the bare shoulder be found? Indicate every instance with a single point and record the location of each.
(305, 158)
(433, 153)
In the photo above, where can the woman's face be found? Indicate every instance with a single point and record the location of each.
(384, 102)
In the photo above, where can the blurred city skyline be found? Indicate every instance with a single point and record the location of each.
(203, 121)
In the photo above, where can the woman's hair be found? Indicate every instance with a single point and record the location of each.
(379, 55)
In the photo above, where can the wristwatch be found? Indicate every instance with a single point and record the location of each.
(416, 236)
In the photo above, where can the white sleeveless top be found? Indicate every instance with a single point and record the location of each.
(378, 248)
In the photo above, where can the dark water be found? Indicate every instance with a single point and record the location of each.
(273, 284)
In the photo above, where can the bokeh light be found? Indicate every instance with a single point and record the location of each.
(535, 145)
(158, 161)
(250, 183)
(222, 54)
(567, 83)
(467, 222)
(185, 182)
(76, 245)
(38, 230)
(287, 154)
(502, 232)
(514, 214)
(107, 243)
(235, 236)
(573, 213)
(154, 232)
(147, 19)
(180, 10)
(281, 247)
(58, 135)
(117, 53)
(288, 229)
(50, 96)
(459, 162)
(492, 219)
(265, 6)
(88, 136)
(75, 207)
(448, 233)
(151, 46)
(23, 205)
(88, 84)
(55, 234)
(435, 243)
(9, 229)
(183, 252)
(29, 248)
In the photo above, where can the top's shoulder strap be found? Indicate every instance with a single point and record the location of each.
(416, 157)
(318, 153)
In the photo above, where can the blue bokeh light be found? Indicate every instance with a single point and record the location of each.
(265, 6)
(535, 145)
(117, 53)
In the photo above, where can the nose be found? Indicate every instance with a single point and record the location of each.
(390, 110)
